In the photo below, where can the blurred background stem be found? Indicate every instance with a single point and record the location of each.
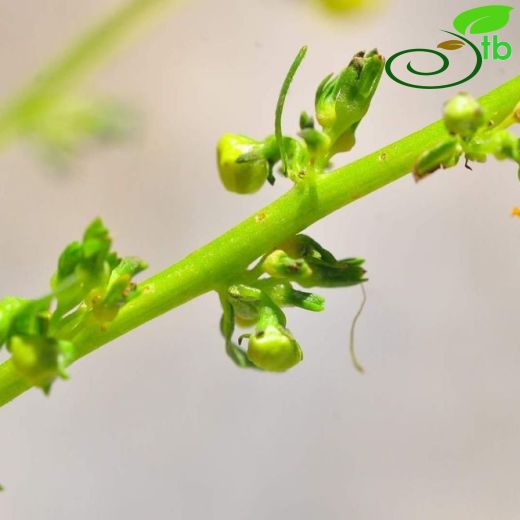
(70, 68)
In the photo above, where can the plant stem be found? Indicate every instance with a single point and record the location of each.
(70, 68)
(217, 263)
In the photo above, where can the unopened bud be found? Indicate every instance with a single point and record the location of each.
(39, 359)
(343, 100)
(242, 165)
(463, 115)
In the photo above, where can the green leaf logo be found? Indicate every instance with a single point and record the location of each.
(479, 20)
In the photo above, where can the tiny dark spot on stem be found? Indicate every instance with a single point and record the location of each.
(260, 216)
(382, 156)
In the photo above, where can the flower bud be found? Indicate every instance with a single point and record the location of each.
(279, 264)
(343, 6)
(463, 115)
(242, 165)
(342, 101)
(272, 346)
(105, 302)
(318, 145)
(302, 260)
(505, 145)
(83, 266)
(39, 359)
(246, 304)
(306, 121)
(298, 158)
(274, 349)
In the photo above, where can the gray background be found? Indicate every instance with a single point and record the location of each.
(159, 424)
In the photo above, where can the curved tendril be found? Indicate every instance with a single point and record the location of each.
(280, 104)
(352, 347)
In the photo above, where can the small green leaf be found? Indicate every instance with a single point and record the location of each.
(9, 307)
(451, 45)
(485, 19)
(444, 155)
(238, 356)
(227, 326)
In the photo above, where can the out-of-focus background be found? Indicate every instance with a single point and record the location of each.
(159, 423)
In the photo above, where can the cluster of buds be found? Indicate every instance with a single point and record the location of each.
(91, 283)
(472, 135)
(257, 301)
(341, 102)
(93, 277)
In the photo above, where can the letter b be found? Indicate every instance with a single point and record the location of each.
(497, 55)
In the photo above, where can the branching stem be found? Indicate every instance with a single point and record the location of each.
(218, 262)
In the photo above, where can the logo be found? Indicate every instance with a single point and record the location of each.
(480, 20)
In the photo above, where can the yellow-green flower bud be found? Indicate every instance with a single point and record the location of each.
(302, 260)
(241, 164)
(40, 360)
(343, 6)
(272, 347)
(279, 264)
(246, 304)
(505, 145)
(463, 115)
(298, 159)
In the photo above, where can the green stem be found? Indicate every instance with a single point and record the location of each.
(216, 263)
(92, 48)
